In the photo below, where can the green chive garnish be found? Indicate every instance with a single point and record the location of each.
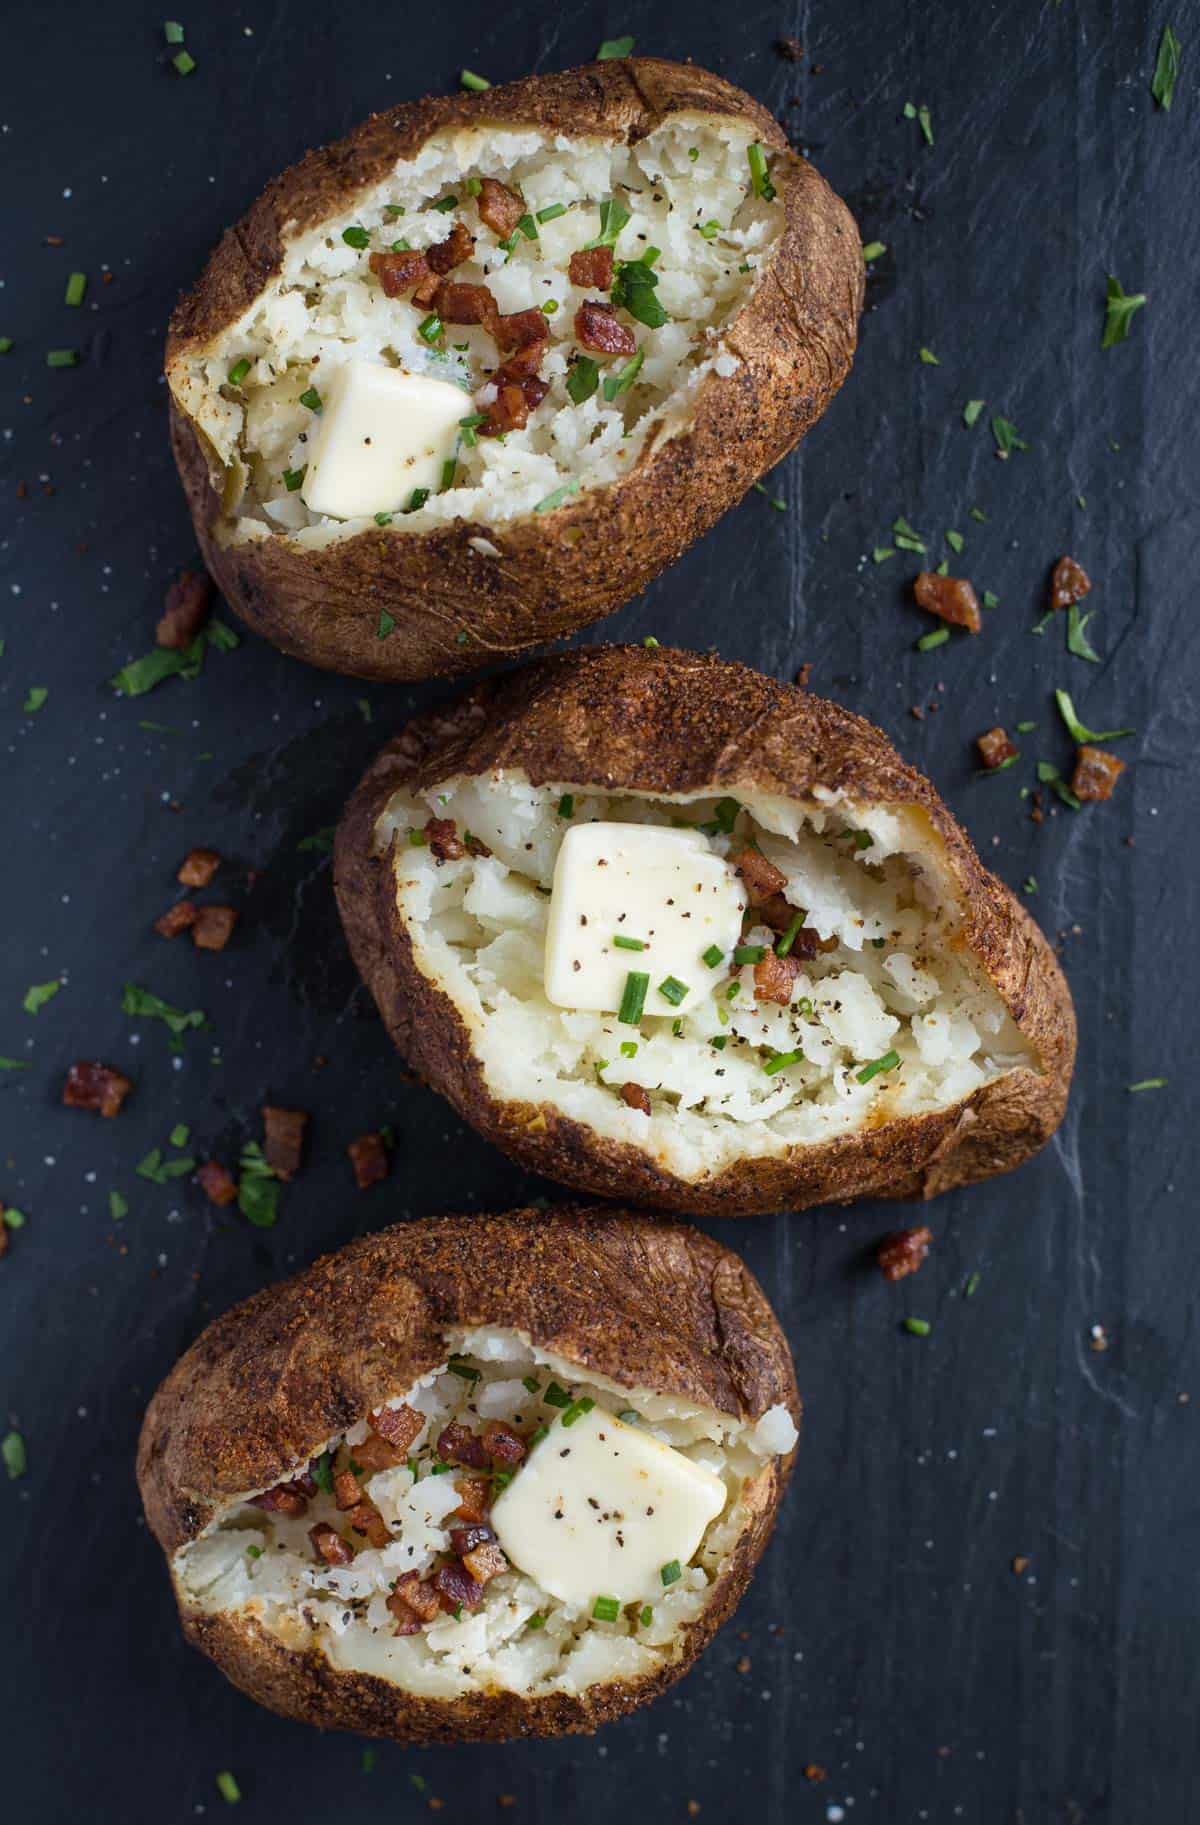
(628, 944)
(556, 1396)
(312, 399)
(759, 181)
(888, 1062)
(917, 1327)
(470, 80)
(646, 1617)
(354, 236)
(530, 1382)
(789, 937)
(606, 1609)
(713, 956)
(552, 212)
(938, 637)
(76, 287)
(430, 328)
(566, 805)
(417, 500)
(781, 1061)
(672, 990)
(446, 204)
(293, 478)
(185, 64)
(633, 1000)
(671, 1572)
(577, 1409)
(62, 358)
(228, 1788)
(172, 31)
(749, 953)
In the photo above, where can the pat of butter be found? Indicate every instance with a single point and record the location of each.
(636, 897)
(599, 1508)
(380, 434)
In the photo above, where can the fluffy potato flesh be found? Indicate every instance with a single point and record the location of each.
(886, 1014)
(684, 195)
(262, 1563)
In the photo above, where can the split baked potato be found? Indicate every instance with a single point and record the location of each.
(672, 932)
(474, 1477)
(470, 378)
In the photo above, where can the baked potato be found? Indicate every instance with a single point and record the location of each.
(470, 378)
(674, 933)
(474, 1477)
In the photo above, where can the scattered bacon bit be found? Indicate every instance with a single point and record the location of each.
(459, 303)
(465, 1539)
(520, 328)
(368, 1156)
(637, 1097)
(212, 927)
(283, 1142)
(374, 1453)
(762, 878)
(458, 246)
(500, 208)
(441, 833)
(399, 272)
(509, 411)
(406, 1622)
(774, 977)
(502, 1444)
(903, 1252)
(1020, 1564)
(176, 919)
(815, 1772)
(597, 328)
(1037, 814)
(950, 598)
(347, 1492)
(54, 240)
(1096, 773)
(285, 1498)
(476, 1493)
(417, 1595)
(790, 49)
(94, 1086)
(456, 1586)
(1069, 583)
(473, 845)
(329, 1545)
(995, 747)
(198, 867)
(366, 1519)
(398, 1425)
(485, 1561)
(457, 1445)
(217, 1182)
(187, 607)
(592, 269)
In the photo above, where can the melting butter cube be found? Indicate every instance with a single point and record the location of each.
(380, 434)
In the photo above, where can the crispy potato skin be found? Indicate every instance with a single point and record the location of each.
(264, 1386)
(455, 609)
(638, 720)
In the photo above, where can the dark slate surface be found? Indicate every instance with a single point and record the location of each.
(886, 1637)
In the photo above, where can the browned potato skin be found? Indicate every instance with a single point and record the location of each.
(454, 609)
(263, 1387)
(638, 720)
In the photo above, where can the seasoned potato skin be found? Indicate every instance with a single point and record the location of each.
(263, 1387)
(638, 720)
(454, 609)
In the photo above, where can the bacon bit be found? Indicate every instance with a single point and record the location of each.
(187, 607)
(1069, 583)
(417, 1595)
(474, 847)
(459, 303)
(374, 1453)
(347, 1492)
(1096, 773)
(1037, 814)
(329, 1545)
(774, 977)
(212, 927)
(198, 867)
(217, 1182)
(502, 1444)
(54, 240)
(1020, 1564)
(815, 1772)
(521, 328)
(176, 919)
(476, 1493)
(637, 1097)
(368, 1156)
(509, 411)
(903, 1252)
(456, 1586)
(285, 1498)
(94, 1086)
(465, 1539)
(283, 1142)
(790, 49)
(485, 1562)
(457, 1445)
(441, 833)
(592, 269)
(500, 208)
(366, 1519)
(995, 747)
(406, 1622)
(458, 246)
(597, 328)
(399, 272)
(949, 598)
(398, 1425)
(763, 880)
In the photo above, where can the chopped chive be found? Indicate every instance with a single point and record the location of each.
(647, 1616)
(780, 1062)
(76, 287)
(629, 944)
(550, 307)
(749, 953)
(873, 250)
(6, 343)
(463, 1370)
(917, 1327)
(625, 377)
(614, 47)
(312, 399)
(671, 1572)
(882, 553)
(629, 1048)
(12, 1451)
(566, 805)
(294, 478)
(606, 1609)
(445, 204)
(551, 501)
(528, 227)
(972, 1286)
(676, 1031)
(62, 358)
(760, 182)
(551, 212)
(672, 990)
(556, 1396)
(577, 1409)
(955, 540)
(228, 1788)
(430, 328)
(449, 472)
(708, 230)
(785, 944)
(416, 500)
(1166, 69)
(1148, 1083)
(470, 80)
(531, 1383)
(383, 519)
(938, 637)
(888, 1062)
(583, 377)
(971, 411)
(718, 1044)
(254, 1552)
(184, 62)
(1079, 732)
(356, 236)
(713, 956)
(172, 31)
(386, 624)
(929, 358)
(633, 1000)
(536, 1621)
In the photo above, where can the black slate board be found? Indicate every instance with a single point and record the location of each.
(886, 1637)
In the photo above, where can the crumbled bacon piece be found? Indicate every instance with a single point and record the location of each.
(398, 1425)
(790, 49)
(406, 1622)
(456, 1587)
(347, 1492)
(473, 846)
(598, 328)
(285, 1498)
(217, 1182)
(465, 1539)
(502, 1444)
(366, 1519)
(368, 1156)
(198, 867)
(763, 880)
(374, 1453)
(637, 1097)
(399, 272)
(187, 607)
(176, 919)
(774, 978)
(445, 255)
(441, 833)
(1096, 773)
(950, 598)
(476, 1493)
(903, 1252)
(995, 747)
(329, 1545)
(1069, 583)
(521, 328)
(94, 1086)
(500, 208)
(212, 927)
(459, 303)
(592, 269)
(457, 1445)
(417, 1595)
(485, 1561)
(283, 1142)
